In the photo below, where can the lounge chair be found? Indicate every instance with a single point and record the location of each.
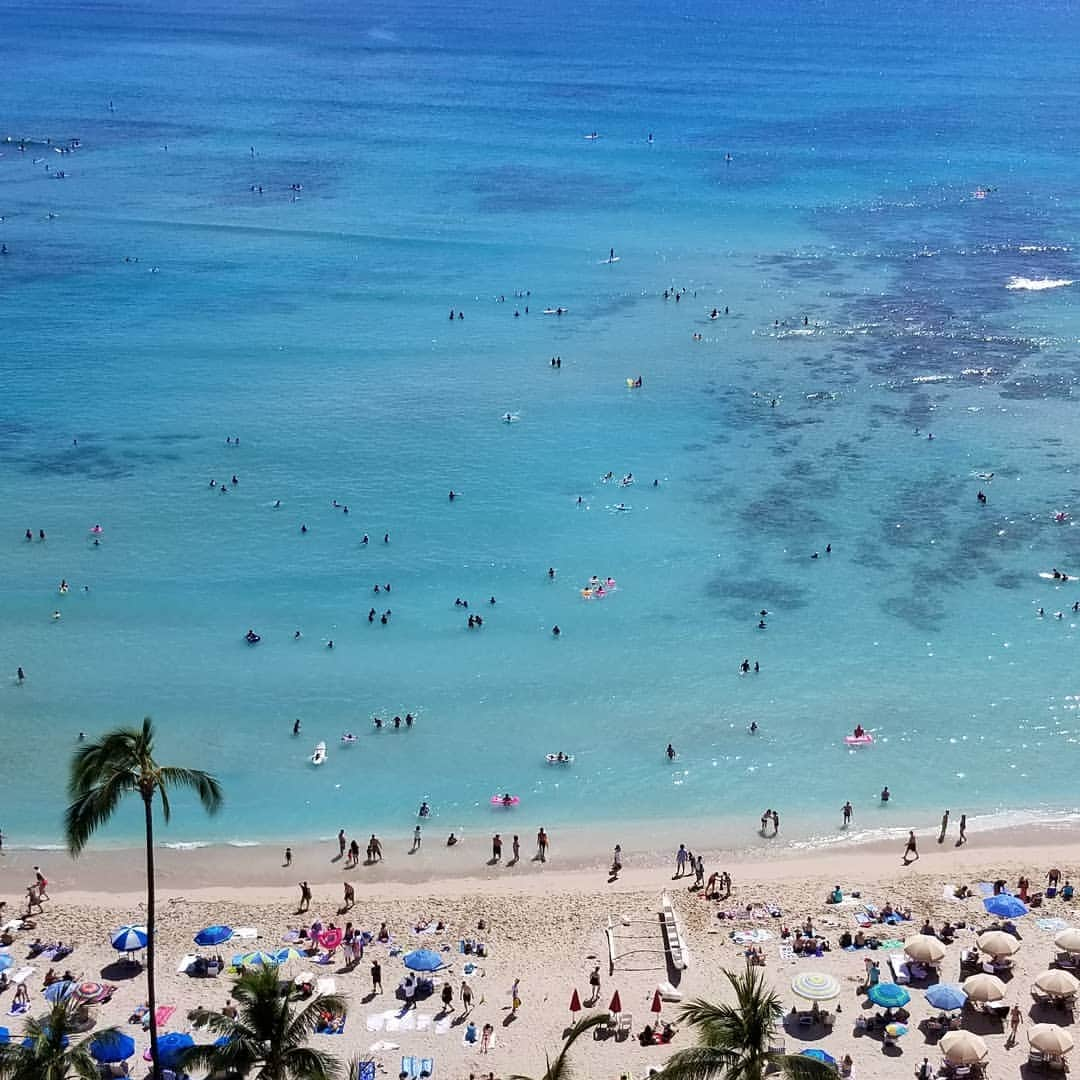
(625, 1026)
(1036, 1058)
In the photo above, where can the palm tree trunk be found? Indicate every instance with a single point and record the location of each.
(151, 995)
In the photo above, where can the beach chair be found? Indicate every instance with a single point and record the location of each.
(427, 1067)
(1036, 1059)
(898, 965)
(625, 1026)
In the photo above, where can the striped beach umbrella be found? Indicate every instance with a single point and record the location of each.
(888, 995)
(254, 959)
(91, 992)
(129, 939)
(288, 955)
(59, 991)
(815, 986)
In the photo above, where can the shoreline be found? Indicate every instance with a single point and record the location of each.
(110, 876)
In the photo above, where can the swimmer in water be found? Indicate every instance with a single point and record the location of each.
(277, 504)
(424, 810)
(551, 572)
(670, 752)
(744, 667)
(761, 624)
(555, 631)
(296, 726)
(753, 727)
(296, 635)
(303, 528)
(377, 721)
(885, 793)
(20, 675)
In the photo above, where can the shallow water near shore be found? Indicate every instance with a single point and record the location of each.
(443, 166)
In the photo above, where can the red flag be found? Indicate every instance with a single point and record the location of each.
(616, 1003)
(575, 1003)
(657, 1004)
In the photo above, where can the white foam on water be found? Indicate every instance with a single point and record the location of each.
(1037, 284)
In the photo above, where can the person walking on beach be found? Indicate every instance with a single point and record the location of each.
(765, 819)
(288, 857)
(963, 830)
(847, 813)
(775, 823)
(354, 854)
(944, 827)
(374, 849)
(350, 896)
(594, 982)
(376, 977)
(466, 998)
(415, 841)
(515, 999)
(305, 897)
(447, 997)
(1, 841)
(496, 848)
(342, 843)
(680, 862)
(41, 882)
(515, 847)
(1016, 1018)
(699, 872)
(911, 850)
(542, 845)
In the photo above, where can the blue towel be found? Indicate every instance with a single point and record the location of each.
(409, 1067)
(365, 1070)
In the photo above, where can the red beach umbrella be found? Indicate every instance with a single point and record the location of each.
(657, 1005)
(616, 1003)
(575, 1003)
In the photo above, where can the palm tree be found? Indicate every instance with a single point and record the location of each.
(50, 1054)
(559, 1069)
(102, 773)
(269, 1035)
(734, 1040)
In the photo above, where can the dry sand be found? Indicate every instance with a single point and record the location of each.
(545, 925)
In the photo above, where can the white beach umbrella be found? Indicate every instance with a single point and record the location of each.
(1050, 1039)
(1069, 940)
(998, 943)
(1057, 982)
(925, 949)
(963, 1048)
(983, 987)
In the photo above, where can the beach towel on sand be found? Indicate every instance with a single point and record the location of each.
(162, 1014)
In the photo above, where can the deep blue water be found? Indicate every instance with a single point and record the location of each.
(442, 162)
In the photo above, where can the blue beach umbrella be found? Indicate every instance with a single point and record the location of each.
(5, 1035)
(5, 961)
(818, 1055)
(111, 1047)
(1005, 906)
(946, 996)
(213, 935)
(59, 991)
(888, 995)
(171, 1046)
(423, 960)
(129, 939)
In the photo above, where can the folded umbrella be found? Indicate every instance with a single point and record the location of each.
(616, 1004)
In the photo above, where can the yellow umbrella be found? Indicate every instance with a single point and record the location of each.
(1069, 940)
(998, 943)
(963, 1048)
(983, 987)
(925, 949)
(1050, 1039)
(1057, 982)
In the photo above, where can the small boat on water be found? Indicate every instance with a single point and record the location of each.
(319, 754)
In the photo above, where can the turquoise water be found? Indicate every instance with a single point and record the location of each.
(443, 166)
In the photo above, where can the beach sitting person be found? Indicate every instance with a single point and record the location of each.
(668, 1033)
(383, 934)
(50, 977)
(962, 892)
(62, 950)
(947, 932)
(37, 946)
(859, 940)
(1067, 891)
(646, 1035)
(836, 896)
(470, 1033)
(928, 929)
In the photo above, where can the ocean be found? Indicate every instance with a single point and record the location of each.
(271, 213)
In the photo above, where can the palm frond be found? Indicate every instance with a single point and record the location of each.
(95, 806)
(559, 1069)
(202, 783)
(797, 1067)
(701, 1063)
(305, 1063)
(303, 1022)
